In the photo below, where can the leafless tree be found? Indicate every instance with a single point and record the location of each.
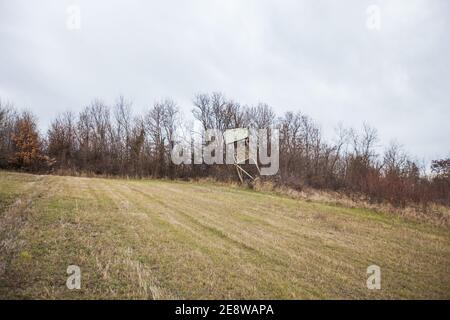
(8, 117)
(122, 129)
(62, 139)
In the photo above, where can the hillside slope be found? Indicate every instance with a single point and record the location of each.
(163, 240)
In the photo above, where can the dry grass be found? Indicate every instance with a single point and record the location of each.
(433, 213)
(165, 240)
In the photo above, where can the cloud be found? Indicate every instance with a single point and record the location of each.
(314, 56)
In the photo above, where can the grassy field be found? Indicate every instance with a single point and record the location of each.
(179, 240)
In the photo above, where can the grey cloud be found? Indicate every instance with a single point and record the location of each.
(313, 56)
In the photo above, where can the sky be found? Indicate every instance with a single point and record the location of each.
(385, 63)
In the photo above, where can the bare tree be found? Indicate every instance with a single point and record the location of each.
(261, 116)
(121, 147)
(8, 118)
(61, 140)
(161, 123)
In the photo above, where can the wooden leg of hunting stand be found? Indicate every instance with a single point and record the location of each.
(256, 164)
(239, 174)
(240, 170)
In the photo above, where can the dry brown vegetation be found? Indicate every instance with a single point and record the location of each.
(155, 239)
(433, 213)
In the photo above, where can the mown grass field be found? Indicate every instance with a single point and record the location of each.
(178, 240)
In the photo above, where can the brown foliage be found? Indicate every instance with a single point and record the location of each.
(28, 154)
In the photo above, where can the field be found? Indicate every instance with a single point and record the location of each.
(147, 239)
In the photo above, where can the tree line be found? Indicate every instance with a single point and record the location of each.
(110, 140)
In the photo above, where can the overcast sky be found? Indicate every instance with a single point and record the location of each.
(319, 57)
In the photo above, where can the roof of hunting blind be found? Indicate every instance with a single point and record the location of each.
(234, 135)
